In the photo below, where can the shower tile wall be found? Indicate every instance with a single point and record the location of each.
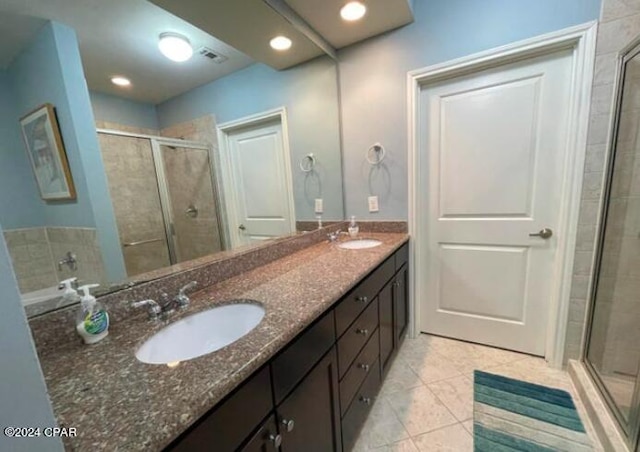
(125, 128)
(31, 257)
(35, 253)
(201, 129)
(133, 188)
(619, 25)
(83, 242)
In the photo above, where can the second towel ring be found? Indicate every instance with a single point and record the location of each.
(308, 163)
(377, 156)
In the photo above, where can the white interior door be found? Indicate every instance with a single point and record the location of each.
(261, 184)
(496, 144)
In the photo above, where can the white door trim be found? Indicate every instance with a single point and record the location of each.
(224, 130)
(582, 40)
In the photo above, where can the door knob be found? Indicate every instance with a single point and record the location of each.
(544, 233)
(242, 227)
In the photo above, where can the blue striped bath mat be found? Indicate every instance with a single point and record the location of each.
(512, 415)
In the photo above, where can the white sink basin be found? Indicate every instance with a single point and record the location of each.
(359, 244)
(200, 334)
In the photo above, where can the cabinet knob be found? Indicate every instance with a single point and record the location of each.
(276, 440)
(288, 424)
(364, 367)
(362, 331)
(362, 299)
(365, 400)
(396, 284)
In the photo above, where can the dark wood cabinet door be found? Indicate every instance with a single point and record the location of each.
(401, 304)
(266, 438)
(309, 418)
(385, 299)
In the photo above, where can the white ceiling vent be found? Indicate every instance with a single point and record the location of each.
(212, 55)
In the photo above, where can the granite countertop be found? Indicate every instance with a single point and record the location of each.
(118, 403)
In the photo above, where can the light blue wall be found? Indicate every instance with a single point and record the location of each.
(20, 203)
(50, 70)
(373, 80)
(123, 111)
(309, 92)
(23, 394)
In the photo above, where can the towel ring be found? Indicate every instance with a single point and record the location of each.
(378, 155)
(310, 165)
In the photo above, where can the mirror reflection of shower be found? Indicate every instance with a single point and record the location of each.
(164, 198)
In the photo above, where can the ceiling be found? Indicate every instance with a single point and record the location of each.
(248, 25)
(324, 17)
(119, 37)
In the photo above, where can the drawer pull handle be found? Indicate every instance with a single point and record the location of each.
(362, 299)
(276, 440)
(365, 400)
(364, 331)
(288, 424)
(364, 367)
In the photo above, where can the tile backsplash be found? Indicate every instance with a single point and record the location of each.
(35, 253)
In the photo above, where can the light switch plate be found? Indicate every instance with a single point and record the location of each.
(373, 204)
(319, 205)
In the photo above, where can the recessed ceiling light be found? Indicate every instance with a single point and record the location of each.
(175, 47)
(120, 81)
(353, 11)
(280, 43)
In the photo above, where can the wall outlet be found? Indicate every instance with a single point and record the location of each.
(373, 204)
(319, 205)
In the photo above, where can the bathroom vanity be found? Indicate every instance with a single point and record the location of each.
(305, 377)
(317, 392)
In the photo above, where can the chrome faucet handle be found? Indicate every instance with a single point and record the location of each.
(153, 309)
(182, 300)
(333, 236)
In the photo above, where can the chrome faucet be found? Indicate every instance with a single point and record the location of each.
(154, 310)
(182, 300)
(334, 236)
(69, 260)
(168, 305)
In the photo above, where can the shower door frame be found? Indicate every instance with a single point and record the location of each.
(631, 427)
(165, 201)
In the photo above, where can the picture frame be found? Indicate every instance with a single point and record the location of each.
(47, 155)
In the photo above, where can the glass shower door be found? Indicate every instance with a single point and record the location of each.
(192, 204)
(133, 187)
(613, 347)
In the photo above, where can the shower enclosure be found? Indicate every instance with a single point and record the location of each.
(612, 352)
(164, 198)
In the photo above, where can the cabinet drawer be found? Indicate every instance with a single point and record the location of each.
(358, 371)
(229, 424)
(356, 336)
(402, 256)
(357, 412)
(300, 357)
(359, 298)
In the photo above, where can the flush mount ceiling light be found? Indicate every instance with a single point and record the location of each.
(120, 81)
(175, 47)
(353, 11)
(280, 43)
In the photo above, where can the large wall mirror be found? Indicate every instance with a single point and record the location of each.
(169, 161)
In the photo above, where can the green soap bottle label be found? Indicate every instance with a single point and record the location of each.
(96, 323)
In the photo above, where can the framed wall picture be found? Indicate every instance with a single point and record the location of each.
(47, 155)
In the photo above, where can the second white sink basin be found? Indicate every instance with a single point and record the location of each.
(200, 334)
(359, 244)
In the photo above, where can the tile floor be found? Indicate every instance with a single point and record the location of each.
(426, 401)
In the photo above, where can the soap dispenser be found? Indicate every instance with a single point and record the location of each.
(92, 321)
(70, 295)
(353, 228)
